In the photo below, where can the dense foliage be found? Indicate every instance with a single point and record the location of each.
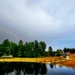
(27, 49)
(30, 49)
(71, 50)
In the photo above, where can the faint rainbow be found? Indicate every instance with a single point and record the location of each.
(6, 30)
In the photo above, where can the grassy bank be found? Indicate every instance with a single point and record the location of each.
(57, 60)
(41, 59)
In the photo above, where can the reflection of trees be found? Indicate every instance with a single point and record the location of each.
(51, 65)
(18, 72)
(43, 69)
(60, 66)
(2, 69)
(5, 68)
(25, 68)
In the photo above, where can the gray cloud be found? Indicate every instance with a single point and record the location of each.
(48, 20)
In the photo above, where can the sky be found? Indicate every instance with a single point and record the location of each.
(51, 21)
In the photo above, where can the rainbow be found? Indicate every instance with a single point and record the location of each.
(8, 31)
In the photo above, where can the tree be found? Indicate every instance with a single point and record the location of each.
(6, 43)
(20, 48)
(59, 52)
(29, 49)
(14, 49)
(53, 53)
(20, 42)
(36, 48)
(64, 49)
(50, 50)
(1, 50)
(7, 47)
(42, 47)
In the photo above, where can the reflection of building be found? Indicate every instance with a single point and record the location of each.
(66, 55)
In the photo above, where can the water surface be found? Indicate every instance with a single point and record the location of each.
(20, 68)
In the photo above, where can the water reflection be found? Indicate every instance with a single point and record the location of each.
(34, 69)
(23, 68)
(54, 69)
(52, 65)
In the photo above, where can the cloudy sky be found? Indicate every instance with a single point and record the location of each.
(51, 21)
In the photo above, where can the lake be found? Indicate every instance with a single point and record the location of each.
(21, 68)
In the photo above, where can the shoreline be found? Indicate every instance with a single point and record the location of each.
(68, 63)
(57, 60)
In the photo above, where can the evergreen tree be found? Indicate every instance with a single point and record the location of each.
(50, 50)
(42, 48)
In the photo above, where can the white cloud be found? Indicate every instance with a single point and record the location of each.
(45, 20)
(33, 19)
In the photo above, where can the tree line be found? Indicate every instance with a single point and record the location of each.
(27, 49)
(30, 49)
(71, 50)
